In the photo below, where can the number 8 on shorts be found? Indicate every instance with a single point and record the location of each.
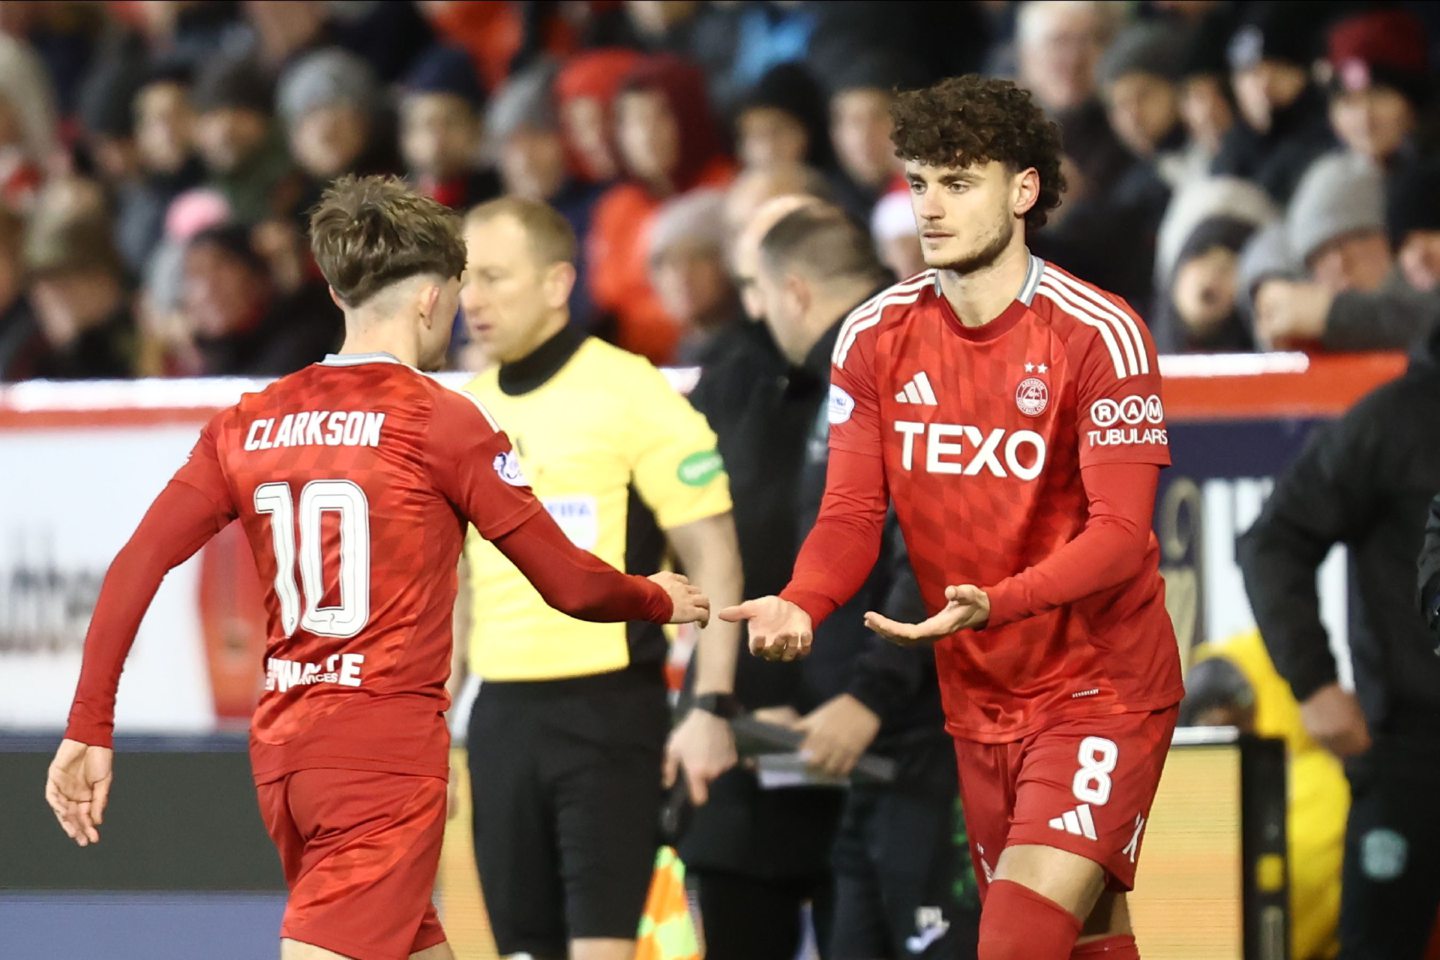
(1097, 759)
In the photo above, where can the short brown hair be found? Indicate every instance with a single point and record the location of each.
(369, 232)
(973, 119)
(821, 241)
(552, 239)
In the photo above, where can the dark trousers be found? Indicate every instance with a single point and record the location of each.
(745, 918)
(1390, 887)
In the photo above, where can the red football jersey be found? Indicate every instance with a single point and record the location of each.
(353, 479)
(983, 432)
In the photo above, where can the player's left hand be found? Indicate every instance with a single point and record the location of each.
(967, 608)
(703, 747)
(837, 733)
(78, 787)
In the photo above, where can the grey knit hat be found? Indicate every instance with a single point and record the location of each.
(324, 78)
(1144, 48)
(697, 217)
(1340, 193)
(525, 102)
(1266, 257)
(1201, 200)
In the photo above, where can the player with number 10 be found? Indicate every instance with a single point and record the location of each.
(1012, 414)
(354, 480)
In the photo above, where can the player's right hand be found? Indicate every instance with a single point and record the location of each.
(78, 787)
(1333, 718)
(690, 604)
(779, 629)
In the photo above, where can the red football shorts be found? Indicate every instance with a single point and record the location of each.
(1084, 785)
(360, 851)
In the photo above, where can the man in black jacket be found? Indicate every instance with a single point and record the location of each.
(1365, 481)
(900, 876)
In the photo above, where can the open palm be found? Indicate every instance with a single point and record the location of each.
(967, 607)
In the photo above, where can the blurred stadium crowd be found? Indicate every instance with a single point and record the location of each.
(1248, 175)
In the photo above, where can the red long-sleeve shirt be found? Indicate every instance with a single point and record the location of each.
(354, 480)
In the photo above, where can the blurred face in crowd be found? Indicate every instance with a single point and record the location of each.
(164, 126)
(1204, 289)
(768, 136)
(1373, 122)
(229, 136)
(901, 254)
(1420, 260)
(327, 141)
(1057, 58)
(654, 18)
(690, 280)
(752, 189)
(588, 131)
(1266, 88)
(532, 164)
(1143, 109)
(1357, 261)
(860, 128)
(1206, 111)
(512, 301)
(222, 294)
(649, 136)
(967, 215)
(439, 134)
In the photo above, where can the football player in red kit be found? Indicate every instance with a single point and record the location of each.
(354, 480)
(1012, 413)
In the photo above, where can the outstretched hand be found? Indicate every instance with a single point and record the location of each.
(78, 788)
(779, 629)
(967, 607)
(688, 602)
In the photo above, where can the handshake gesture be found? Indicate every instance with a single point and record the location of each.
(780, 630)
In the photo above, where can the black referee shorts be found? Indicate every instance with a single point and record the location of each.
(566, 782)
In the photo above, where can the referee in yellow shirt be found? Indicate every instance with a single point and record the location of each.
(567, 738)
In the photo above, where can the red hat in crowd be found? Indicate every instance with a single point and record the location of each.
(1383, 47)
(595, 75)
(683, 86)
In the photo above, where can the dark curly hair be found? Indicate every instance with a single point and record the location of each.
(974, 119)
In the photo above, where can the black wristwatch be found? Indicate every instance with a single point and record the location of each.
(726, 706)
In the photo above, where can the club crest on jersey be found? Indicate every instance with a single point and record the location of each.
(1032, 396)
(507, 465)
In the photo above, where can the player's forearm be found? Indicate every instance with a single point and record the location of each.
(177, 524)
(710, 553)
(1108, 551)
(576, 582)
(840, 551)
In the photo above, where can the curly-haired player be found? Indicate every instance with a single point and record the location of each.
(1012, 413)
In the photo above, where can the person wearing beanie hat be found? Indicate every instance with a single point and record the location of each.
(522, 129)
(239, 322)
(327, 101)
(668, 145)
(687, 270)
(1379, 81)
(860, 126)
(783, 119)
(106, 118)
(1284, 125)
(1207, 104)
(243, 154)
(1336, 223)
(1200, 312)
(585, 90)
(1138, 73)
(441, 132)
(78, 295)
(1412, 218)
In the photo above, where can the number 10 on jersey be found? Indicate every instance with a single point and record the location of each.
(347, 501)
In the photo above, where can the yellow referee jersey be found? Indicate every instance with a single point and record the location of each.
(606, 422)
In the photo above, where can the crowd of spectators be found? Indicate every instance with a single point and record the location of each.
(1249, 176)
